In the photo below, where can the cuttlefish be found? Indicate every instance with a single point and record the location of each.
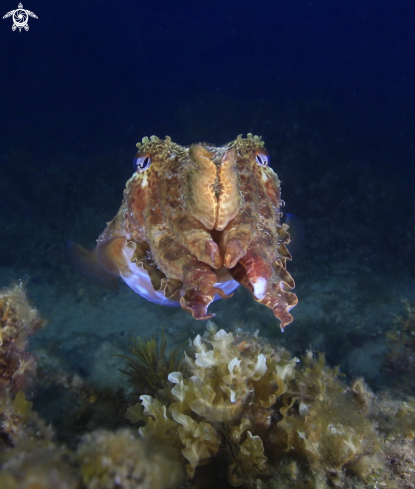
(194, 224)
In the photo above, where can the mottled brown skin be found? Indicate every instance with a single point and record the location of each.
(198, 217)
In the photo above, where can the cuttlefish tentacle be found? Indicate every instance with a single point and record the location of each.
(271, 293)
(199, 290)
(267, 280)
(142, 258)
(258, 270)
(259, 256)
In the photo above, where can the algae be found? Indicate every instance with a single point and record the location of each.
(149, 368)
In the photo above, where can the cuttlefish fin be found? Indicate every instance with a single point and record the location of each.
(114, 255)
(88, 264)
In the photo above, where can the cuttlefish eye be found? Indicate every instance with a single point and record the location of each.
(262, 157)
(141, 162)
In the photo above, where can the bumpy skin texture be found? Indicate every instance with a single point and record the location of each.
(195, 223)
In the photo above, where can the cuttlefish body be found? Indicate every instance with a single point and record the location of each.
(195, 223)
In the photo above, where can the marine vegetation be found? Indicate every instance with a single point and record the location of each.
(266, 419)
(195, 223)
(17, 321)
(121, 460)
(149, 368)
(103, 460)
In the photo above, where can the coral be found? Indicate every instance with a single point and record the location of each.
(267, 415)
(120, 460)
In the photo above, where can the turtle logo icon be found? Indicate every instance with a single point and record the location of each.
(20, 18)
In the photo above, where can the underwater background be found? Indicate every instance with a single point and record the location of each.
(330, 88)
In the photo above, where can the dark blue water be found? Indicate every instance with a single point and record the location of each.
(94, 74)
